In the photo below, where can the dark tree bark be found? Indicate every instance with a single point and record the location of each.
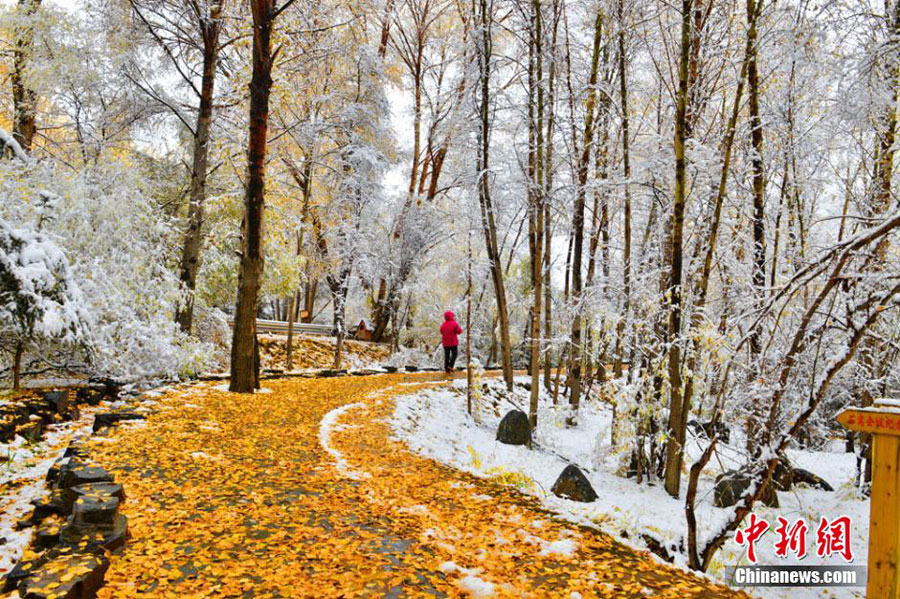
(536, 207)
(676, 433)
(483, 17)
(24, 97)
(193, 241)
(578, 219)
(244, 379)
(756, 165)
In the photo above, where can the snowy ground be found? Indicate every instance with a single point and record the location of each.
(434, 423)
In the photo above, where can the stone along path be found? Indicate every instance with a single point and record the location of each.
(251, 496)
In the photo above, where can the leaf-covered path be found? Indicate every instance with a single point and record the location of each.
(235, 496)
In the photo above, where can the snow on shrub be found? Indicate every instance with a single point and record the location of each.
(38, 297)
(117, 240)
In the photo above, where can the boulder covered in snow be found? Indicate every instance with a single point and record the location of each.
(515, 429)
(732, 485)
(805, 477)
(573, 484)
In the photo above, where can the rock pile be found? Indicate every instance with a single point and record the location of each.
(77, 522)
(27, 417)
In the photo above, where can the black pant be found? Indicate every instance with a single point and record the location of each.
(450, 357)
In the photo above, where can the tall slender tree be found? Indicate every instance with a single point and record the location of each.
(584, 160)
(675, 431)
(483, 18)
(244, 374)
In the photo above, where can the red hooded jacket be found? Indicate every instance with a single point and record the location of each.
(449, 331)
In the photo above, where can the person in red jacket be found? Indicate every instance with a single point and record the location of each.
(449, 331)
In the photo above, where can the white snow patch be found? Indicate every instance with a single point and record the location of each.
(561, 547)
(330, 424)
(434, 423)
(476, 586)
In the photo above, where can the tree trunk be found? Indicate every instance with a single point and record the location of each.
(548, 187)
(676, 433)
(193, 240)
(469, 390)
(711, 240)
(536, 210)
(243, 376)
(575, 357)
(24, 97)
(484, 17)
(626, 172)
(289, 360)
(756, 167)
(17, 366)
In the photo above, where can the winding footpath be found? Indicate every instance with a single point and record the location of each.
(254, 496)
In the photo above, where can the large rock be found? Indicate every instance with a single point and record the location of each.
(47, 534)
(55, 469)
(49, 505)
(110, 388)
(76, 473)
(515, 429)
(110, 418)
(22, 570)
(329, 373)
(77, 576)
(573, 484)
(805, 477)
(100, 509)
(31, 430)
(95, 537)
(58, 401)
(92, 396)
(99, 489)
(731, 486)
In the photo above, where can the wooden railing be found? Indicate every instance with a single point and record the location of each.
(281, 327)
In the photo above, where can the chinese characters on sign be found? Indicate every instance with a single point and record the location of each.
(871, 422)
(831, 537)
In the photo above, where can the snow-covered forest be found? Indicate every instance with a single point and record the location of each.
(685, 211)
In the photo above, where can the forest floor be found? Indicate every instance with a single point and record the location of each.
(300, 491)
(317, 351)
